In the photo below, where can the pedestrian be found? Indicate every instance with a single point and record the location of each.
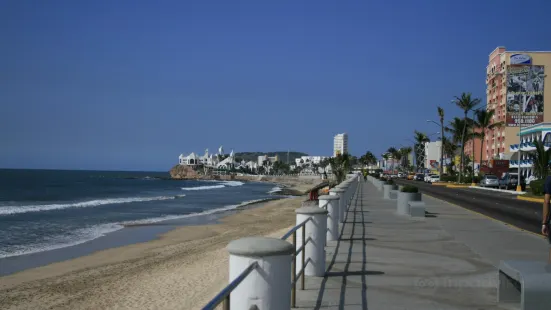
(545, 219)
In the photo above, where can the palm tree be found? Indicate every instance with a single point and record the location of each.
(449, 148)
(541, 158)
(404, 152)
(484, 122)
(441, 117)
(465, 103)
(420, 140)
(340, 166)
(392, 152)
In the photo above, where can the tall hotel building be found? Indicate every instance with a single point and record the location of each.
(340, 144)
(515, 84)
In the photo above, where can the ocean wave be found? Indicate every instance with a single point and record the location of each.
(221, 184)
(202, 188)
(76, 237)
(8, 210)
(182, 216)
(274, 190)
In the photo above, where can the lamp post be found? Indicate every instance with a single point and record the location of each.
(441, 145)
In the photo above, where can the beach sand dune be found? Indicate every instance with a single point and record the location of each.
(183, 269)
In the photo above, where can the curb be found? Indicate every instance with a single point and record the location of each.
(439, 184)
(540, 200)
(498, 190)
(457, 186)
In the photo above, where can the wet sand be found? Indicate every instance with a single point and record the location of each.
(182, 269)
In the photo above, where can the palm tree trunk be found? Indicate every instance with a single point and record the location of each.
(463, 147)
(481, 149)
(441, 148)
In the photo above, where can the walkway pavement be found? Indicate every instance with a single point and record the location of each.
(446, 260)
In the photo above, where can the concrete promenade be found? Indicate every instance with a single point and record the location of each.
(446, 260)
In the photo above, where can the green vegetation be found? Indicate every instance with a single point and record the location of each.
(409, 189)
(537, 187)
(340, 166)
(253, 156)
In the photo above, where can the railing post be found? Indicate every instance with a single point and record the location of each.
(340, 191)
(268, 287)
(333, 216)
(315, 232)
(294, 275)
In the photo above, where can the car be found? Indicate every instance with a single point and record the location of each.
(419, 177)
(489, 180)
(411, 176)
(509, 181)
(434, 178)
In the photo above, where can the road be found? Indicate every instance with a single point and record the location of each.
(501, 206)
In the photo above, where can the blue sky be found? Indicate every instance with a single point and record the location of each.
(131, 84)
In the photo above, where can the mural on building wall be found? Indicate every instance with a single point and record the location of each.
(525, 93)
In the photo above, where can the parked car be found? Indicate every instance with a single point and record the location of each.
(411, 176)
(434, 178)
(489, 180)
(419, 177)
(509, 181)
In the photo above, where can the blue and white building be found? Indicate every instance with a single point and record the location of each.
(528, 135)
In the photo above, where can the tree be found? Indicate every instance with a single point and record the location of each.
(405, 151)
(484, 122)
(541, 158)
(392, 153)
(340, 166)
(465, 103)
(324, 163)
(441, 117)
(420, 140)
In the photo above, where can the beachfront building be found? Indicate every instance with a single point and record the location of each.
(207, 160)
(539, 132)
(263, 158)
(316, 160)
(515, 90)
(340, 144)
(432, 155)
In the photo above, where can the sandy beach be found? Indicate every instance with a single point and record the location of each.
(182, 269)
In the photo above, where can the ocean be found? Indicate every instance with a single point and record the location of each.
(45, 210)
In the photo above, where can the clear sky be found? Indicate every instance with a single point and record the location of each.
(131, 84)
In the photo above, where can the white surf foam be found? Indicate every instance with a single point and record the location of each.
(206, 212)
(8, 210)
(274, 190)
(202, 188)
(221, 184)
(57, 242)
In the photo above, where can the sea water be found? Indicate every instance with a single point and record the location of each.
(43, 210)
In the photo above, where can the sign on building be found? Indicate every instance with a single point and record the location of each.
(525, 95)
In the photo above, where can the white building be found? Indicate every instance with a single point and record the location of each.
(316, 160)
(529, 134)
(432, 155)
(263, 158)
(195, 160)
(340, 144)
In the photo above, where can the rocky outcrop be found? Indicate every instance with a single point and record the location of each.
(183, 172)
(180, 172)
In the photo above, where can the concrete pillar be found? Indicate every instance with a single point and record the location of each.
(332, 217)
(269, 286)
(315, 230)
(341, 192)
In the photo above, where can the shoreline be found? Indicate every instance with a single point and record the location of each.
(194, 257)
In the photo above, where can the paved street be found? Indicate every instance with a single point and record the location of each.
(502, 206)
(446, 260)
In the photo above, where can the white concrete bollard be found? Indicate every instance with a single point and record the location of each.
(315, 230)
(341, 192)
(332, 217)
(268, 287)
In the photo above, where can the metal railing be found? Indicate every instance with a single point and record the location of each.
(224, 296)
(302, 252)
